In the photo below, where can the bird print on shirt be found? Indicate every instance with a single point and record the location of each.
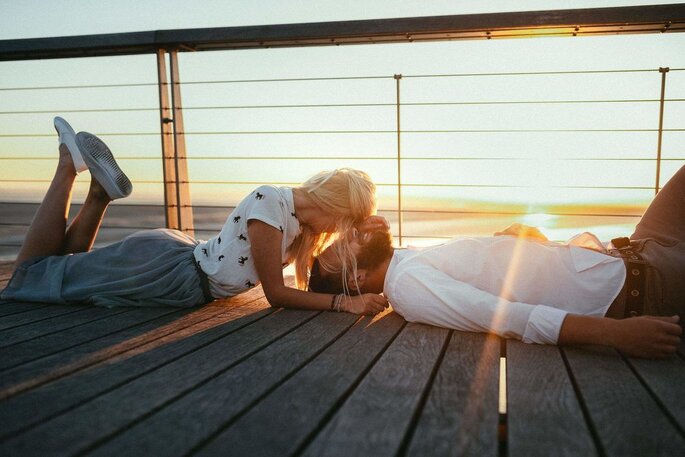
(259, 196)
(242, 260)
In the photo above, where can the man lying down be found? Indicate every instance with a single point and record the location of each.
(520, 285)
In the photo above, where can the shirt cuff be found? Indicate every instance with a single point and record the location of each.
(544, 325)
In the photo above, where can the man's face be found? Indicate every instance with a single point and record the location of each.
(371, 250)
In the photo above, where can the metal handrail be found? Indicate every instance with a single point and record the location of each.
(398, 131)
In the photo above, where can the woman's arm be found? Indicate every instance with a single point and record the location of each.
(266, 252)
(643, 336)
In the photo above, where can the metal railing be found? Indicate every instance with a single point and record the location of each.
(398, 158)
(398, 132)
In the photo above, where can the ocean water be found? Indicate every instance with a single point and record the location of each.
(418, 228)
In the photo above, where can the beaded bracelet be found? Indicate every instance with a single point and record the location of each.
(338, 302)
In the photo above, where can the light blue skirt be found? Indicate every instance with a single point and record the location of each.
(148, 268)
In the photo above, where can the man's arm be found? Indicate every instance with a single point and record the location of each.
(644, 336)
(427, 295)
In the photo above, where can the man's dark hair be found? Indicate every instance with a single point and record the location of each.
(325, 283)
(374, 252)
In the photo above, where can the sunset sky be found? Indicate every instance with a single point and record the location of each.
(518, 167)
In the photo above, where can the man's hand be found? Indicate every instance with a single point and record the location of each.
(647, 336)
(367, 304)
(643, 336)
(523, 231)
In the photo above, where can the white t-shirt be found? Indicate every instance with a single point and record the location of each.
(515, 288)
(227, 258)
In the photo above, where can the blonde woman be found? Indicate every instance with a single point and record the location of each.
(269, 229)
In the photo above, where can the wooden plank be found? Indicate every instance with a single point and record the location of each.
(228, 394)
(78, 357)
(376, 417)
(36, 348)
(67, 361)
(9, 308)
(281, 423)
(35, 315)
(83, 427)
(665, 378)
(461, 413)
(626, 419)
(34, 406)
(56, 325)
(543, 411)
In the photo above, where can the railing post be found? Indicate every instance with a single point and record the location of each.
(663, 71)
(177, 204)
(399, 158)
(185, 206)
(168, 168)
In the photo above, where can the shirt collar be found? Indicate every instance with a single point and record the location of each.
(397, 257)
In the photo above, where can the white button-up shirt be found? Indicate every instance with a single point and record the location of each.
(516, 288)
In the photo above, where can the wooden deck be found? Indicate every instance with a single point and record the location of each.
(239, 378)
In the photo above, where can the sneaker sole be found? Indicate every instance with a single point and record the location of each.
(102, 165)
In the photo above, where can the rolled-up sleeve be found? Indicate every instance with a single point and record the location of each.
(544, 324)
(425, 294)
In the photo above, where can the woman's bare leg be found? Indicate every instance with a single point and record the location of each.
(84, 228)
(46, 233)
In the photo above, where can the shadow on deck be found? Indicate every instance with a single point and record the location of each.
(237, 377)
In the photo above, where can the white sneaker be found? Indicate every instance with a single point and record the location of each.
(102, 165)
(67, 137)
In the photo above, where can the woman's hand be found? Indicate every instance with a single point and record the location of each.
(647, 336)
(523, 231)
(373, 223)
(366, 304)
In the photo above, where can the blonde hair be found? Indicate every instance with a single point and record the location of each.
(345, 193)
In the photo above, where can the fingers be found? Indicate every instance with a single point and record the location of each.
(670, 340)
(668, 324)
(377, 304)
(662, 350)
(673, 319)
(374, 223)
(367, 304)
(374, 304)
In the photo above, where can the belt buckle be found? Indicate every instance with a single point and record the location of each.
(621, 242)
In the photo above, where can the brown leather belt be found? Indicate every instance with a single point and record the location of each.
(632, 297)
